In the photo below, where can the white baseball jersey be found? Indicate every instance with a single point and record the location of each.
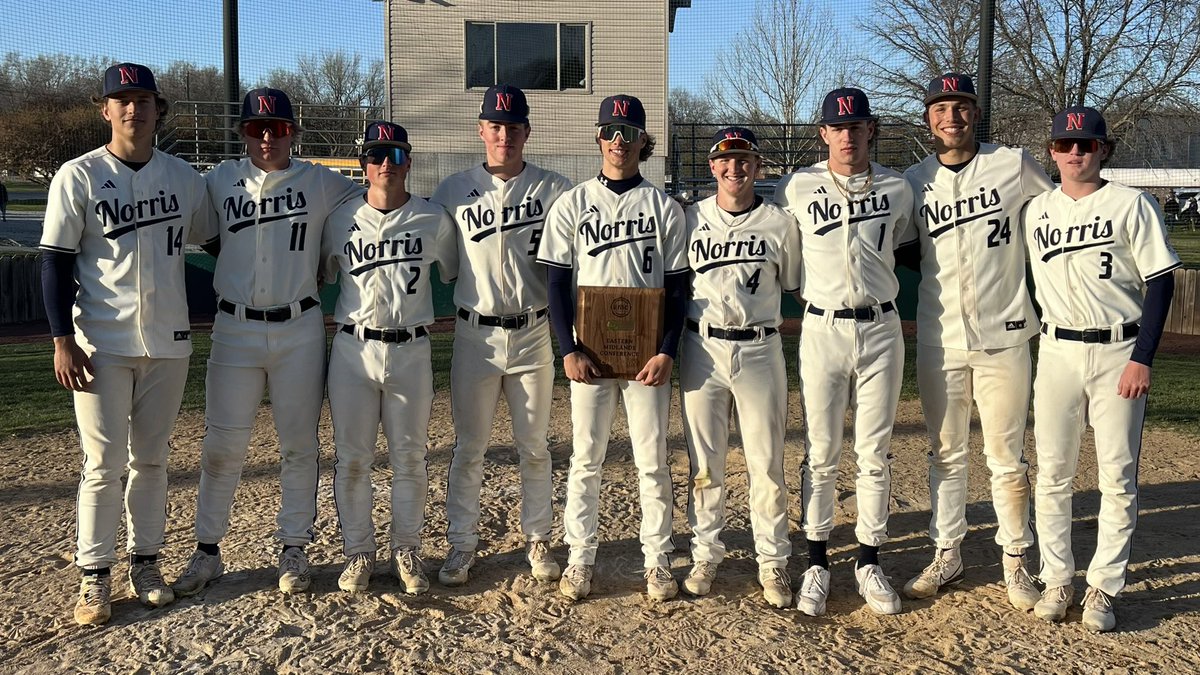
(128, 230)
(1091, 257)
(385, 260)
(630, 240)
(500, 226)
(270, 225)
(849, 244)
(741, 264)
(972, 293)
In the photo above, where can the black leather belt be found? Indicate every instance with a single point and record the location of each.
(506, 322)
(858, 313)
(273, 314)
(737, 334)
(388, 334)
(1093, 335)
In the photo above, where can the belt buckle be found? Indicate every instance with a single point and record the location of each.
(1094, 335)
(389, 334)
(277, 314)
(513, 322)
(864, 313)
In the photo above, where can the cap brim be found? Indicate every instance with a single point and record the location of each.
(1078, 136)
(373, 144)
(507, 119)
(951, 94)
(826, 122)
(754, 153)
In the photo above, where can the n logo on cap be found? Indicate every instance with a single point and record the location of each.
(733, 134)
(621, 108)
(845, 105)
(1075, 121)
(385, 133)
(128, 75)
(503, 102)
(949, 84)
(266, 105)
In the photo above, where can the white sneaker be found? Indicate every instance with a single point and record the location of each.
(201, 569)
(946, 569)
(410, 570)
(814, 591)
(94, 606)
(660, 585)
(1098, 612)
(576, 582)
(456, 570)
(777, 586)
(294, 576)
(700, 579)
(873, 586)
(1022, 594)
(147, 583)
(541, 561)
(1054, 603)
(356, 575)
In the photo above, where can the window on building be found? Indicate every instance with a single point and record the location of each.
(527, 55)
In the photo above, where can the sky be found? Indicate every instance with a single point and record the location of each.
(693, 48)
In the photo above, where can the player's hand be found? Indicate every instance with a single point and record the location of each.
(71, 365)
(579, 367)
(657, 371)
(1135, 381)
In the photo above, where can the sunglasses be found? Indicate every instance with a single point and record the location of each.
(1086, 145)
(734, 145)
(377, 154)
(256, 128)
(628, 133)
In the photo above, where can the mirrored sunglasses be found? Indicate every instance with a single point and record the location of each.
(734, 145)
(256, 128)
(628, 133)
(1086, 145)
(377, 154)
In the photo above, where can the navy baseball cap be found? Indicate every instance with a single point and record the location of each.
(1079, 121)
(504, 103)
(622, 109)
(733, 140)
(844, 105)
(386, 133)
(129, 77)
(950, 85)
(266, 103)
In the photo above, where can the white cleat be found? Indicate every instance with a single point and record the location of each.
(1022, 594)
(873, 586)
(700, 579)
(576, 582)
(147, 583)
(457, 568)
(356, 575)
(541, 562)
(777, 586)
(201, 569)
(945, 570)
(814, 591)
(294, 576)
(410, 570)
(1054, 603)
(1098, 611)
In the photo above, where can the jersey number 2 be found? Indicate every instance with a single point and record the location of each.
(412, 283)
(1000, 230)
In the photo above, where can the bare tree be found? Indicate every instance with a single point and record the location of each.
(35, 142)
(326, 88)
(776, 71)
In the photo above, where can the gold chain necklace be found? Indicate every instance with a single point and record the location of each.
(848, 192)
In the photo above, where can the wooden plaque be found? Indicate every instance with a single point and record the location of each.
(619, 328)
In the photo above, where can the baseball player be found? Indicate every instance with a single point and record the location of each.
(974, 322)
(743, 254)
(1102, 274)
(113, 265)
(502, 337)
(268, 332)
(380, 367)
(617, 230)
(852, 214)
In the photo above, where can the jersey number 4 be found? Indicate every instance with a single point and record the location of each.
(1000, 230)
(174, 239)
(754, 280)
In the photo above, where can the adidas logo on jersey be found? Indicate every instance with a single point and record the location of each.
(474, 193)
(241, 182)
(1045, 216)
(592, 209)
(928, 187)
(354, 228)
(702, 228)
(820, 191)
(108, 185)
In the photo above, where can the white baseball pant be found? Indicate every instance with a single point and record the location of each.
(715, 375)
(1076, 385)
(592, 408)
(487, 362)
(288, 358)
(125, 419)
(847, 362)
(998, 381)
(373, 382)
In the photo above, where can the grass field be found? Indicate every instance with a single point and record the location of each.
(1187, 245)
(32, 402)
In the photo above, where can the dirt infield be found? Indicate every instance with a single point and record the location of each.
(504, 621)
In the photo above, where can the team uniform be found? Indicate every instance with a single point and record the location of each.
(631, 240)
(733, 356)
(974, 322)
(501, 338)
(380, 366)
(1091, 260)
(127, 229)
(268, 331)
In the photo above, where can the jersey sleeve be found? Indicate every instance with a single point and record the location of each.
(557, 247)
(339, 189)
(446, 246)
(1034, 180)
(204, 219)
(675, 238)
(906, 229)
(781, 194)
(65, 211)
(791, 267)
(330, 235)
(1152, 254)
(441, 194)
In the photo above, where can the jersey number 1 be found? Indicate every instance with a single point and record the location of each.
(299, 230)
(174, 239)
